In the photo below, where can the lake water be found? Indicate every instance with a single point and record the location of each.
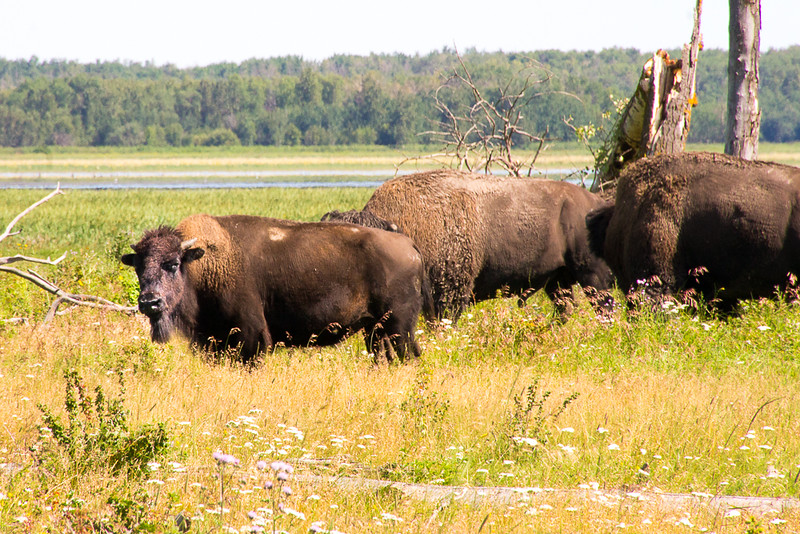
(202, 179)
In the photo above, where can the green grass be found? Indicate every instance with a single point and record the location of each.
(82, 219)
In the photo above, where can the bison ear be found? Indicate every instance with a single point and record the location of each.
(192, 254)
(128, 259)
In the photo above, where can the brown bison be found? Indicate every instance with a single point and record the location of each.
(251, 282)
(723, 226)
(480, 234)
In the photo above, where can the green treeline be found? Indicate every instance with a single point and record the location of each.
(376, 99)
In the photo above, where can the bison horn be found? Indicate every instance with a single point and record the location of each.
(188, 243)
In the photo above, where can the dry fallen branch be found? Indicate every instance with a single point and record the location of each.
(38, 280)
(534, 496)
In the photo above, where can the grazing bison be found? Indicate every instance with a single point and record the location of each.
(479, 234)
(723, 226)
(253, 282)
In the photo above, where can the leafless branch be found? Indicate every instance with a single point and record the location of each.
(481, 134)
(27, 210)
(91, 301)
(47, 261)
(40, 281)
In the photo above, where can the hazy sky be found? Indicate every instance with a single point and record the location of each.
(199, 33)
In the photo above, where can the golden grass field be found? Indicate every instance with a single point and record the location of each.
(332, 413)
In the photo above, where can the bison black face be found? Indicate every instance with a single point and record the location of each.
(160, 259)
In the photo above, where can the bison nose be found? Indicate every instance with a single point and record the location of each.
(151, 305)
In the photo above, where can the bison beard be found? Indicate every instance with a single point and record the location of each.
(162, 327)
(164, 323)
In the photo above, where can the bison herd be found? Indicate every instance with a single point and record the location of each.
(431, 243)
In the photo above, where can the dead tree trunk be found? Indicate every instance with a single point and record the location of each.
(656, 119)
(744, 115)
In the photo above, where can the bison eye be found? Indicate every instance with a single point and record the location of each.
(171, 266)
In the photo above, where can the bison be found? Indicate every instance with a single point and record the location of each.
(479, 234)
(724, 227)
(251, 282)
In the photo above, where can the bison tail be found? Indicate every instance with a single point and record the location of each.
(361, 217)
(428, 308)
(597, 224)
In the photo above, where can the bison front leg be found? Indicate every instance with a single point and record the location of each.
(596, 281)
(602, 302)
(378, 345)
(254, 338)
(650, 293)
(559, 289)
(260, 342)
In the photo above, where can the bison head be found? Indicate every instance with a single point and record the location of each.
(160, 259)
(363, 218)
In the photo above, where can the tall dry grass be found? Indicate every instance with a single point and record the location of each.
(440, 420)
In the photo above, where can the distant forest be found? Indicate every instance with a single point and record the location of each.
(376, 99)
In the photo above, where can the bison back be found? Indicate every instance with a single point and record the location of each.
(441, 217)
(735, 221)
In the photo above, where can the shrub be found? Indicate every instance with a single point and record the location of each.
(218, 137)
(97, 434)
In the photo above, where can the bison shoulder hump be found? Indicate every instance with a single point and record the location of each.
(222, 261)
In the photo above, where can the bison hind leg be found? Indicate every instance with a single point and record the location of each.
(399, 329)
(404, 343)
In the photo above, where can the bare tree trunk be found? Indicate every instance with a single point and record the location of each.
(744, 115)
(681, 98)
(657, 117)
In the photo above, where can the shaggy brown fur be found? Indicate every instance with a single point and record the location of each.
(222, 262)
(479, 234)
(251, 282)
(738, 220)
